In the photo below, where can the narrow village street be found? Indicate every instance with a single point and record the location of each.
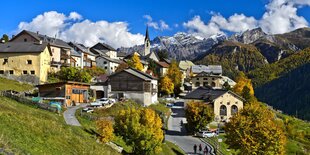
(177, 133)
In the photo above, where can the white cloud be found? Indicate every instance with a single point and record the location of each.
(75, 16)
(280, 17)
(198, 27)
(71, 28)
(49, 23)
(162, 25)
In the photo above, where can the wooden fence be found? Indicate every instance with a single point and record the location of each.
(27, 101)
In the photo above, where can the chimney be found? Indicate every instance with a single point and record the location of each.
(40, 42)
(37, 32)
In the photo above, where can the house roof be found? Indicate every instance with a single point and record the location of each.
(208, 94)
(163, 64)
(64, 82)
(76, 53)
(110, 59)
(52, 41)
(185, 64)
(144, 62)
(81, 48)
(137, 73)
(213, 69)
(149, 56)
(104, 46)
(22, 47)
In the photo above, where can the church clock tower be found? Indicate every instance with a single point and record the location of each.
(147, 43)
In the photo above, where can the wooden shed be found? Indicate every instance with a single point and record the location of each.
(72, 93)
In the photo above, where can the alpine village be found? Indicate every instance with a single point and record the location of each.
(245, 94)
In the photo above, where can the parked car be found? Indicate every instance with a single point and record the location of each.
(96, 104)
(169, 99)
(88, 110)
(104, 101)
(205, 134)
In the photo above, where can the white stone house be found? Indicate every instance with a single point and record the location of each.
(225, 103)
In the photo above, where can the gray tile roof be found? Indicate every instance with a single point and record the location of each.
(213, 69)
(22, 47)
(121, 54)
(208, 94)
(205, 93)
(51, 40)
(81, 48)
(139, 74)
(76, 53)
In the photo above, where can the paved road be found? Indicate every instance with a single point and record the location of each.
(69, 115)
(177, 133)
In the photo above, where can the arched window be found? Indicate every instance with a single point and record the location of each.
(223, 110)
(234, 109)
(213, 84)
(197, 84)
(205, 84)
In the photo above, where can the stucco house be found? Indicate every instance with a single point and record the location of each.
(211, 69)
(210, 80)
(225, 103)
(106, 57)
(25, 61)
(87, 59)
(133, 84)
(59, 48)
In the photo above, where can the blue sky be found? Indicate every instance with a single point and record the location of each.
(172, 13)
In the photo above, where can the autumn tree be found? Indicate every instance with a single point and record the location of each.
(140, 129)
(95, 71)
(198, 115)
(166, 85)
(244, 87)
(175, 75)
(135, 62)
(255, 130)
(121, 67)
(105, 128)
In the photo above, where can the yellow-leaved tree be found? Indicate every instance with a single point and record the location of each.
(175, 75)
(105, 128)
(141, 129)
(198, 115)
(166, 85)
(244, 87)
(256, 130)
(135, 62)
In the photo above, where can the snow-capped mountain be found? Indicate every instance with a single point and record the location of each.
(181, 45)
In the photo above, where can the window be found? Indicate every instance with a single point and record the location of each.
(1, 71)
(105, 67)
(5, 60)
(197, 84)
(25, 72)
(228, 103)
(205, 78)
(29, 62)
(213, 78)
(205, 84)
(32, 72)
(213, 84)
(223, 110)
(104, 62)
(197, 78)
(25, 40)
(11, 72)
(234, 109)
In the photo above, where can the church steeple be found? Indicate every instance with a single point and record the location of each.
(147, 43)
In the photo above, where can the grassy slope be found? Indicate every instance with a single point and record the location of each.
(6, 84)
(24, 129)
(168, 147)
